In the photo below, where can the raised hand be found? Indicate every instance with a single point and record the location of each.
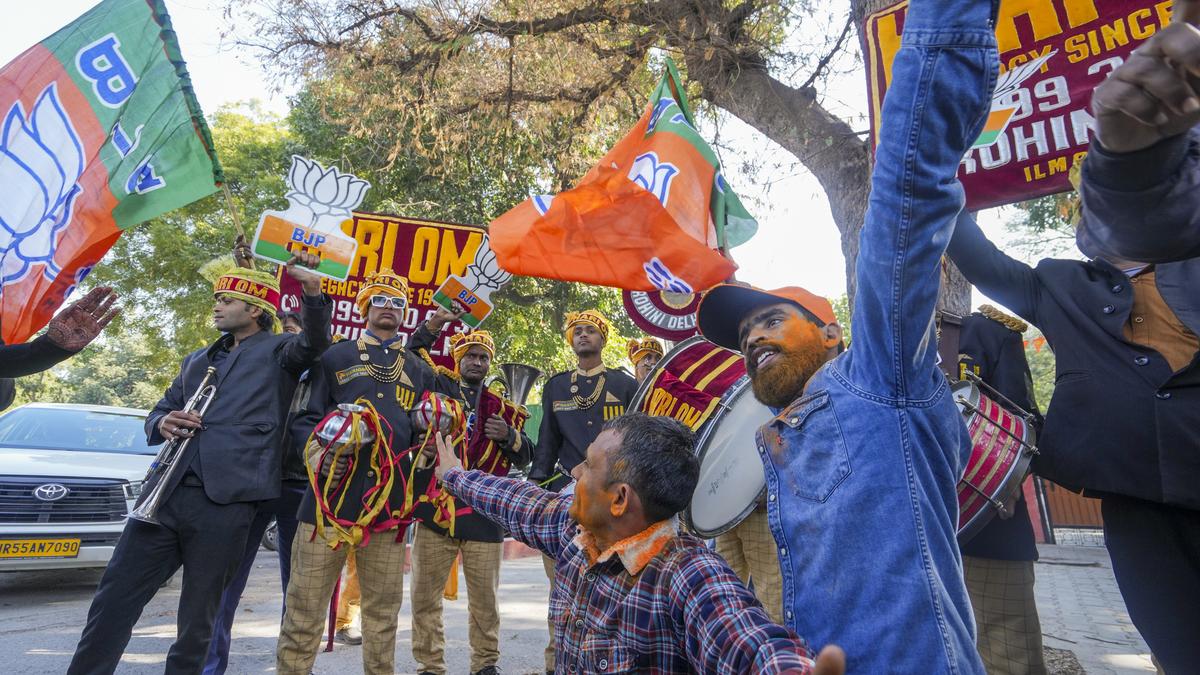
(80, 323)
(446, 458)
(300, 268)
(1155, 94)
(443, 316)
(241, 253)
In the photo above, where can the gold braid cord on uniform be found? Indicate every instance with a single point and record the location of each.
(585, 402)
(444, 507)
(385, 374)
(353, 532)
(1010, 322)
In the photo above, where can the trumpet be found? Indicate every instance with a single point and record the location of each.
(166, 462)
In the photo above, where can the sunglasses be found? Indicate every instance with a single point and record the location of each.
(395, 301)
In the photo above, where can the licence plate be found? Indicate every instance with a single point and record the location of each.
(39, 548)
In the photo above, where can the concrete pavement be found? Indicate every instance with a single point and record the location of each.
(41, 615)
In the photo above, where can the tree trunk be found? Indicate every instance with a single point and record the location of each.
(823, 143)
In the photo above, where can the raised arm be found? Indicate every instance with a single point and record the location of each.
(31, 357)
(1140, 178)
(1010, 282)
(301, 352)
(533, 516)
(1144, 205)
(942, 81)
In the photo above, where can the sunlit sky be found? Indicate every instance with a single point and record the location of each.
(797, 243)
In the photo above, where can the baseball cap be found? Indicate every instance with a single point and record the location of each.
(724, 306)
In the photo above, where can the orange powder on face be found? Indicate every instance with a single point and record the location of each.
(801, 347)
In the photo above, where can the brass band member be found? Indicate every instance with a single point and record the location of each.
(366, 507)
(495, 442)
(575, 405)
(230, 466)
(644, 354)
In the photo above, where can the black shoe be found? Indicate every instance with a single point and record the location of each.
(348, 636)
(487, 670)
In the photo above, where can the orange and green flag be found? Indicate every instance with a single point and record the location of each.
(101, 132)
(650, 216)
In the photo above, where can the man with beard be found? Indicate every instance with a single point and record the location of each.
(644, 354)
(575, 405)
(636, 595)
(231, 465)
(863, 459)
(362, 504)
(749, 547)
(494, 443)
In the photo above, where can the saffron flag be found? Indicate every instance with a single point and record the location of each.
(101, 132)
(648, 217)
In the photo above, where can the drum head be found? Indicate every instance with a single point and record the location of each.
(731, 472)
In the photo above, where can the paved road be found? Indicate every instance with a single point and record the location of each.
(41, 615)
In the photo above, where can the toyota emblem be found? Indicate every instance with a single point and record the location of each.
(50, 492)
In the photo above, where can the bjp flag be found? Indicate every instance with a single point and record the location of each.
(649, 216)
(101, 132)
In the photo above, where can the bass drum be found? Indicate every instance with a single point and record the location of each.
(706, 387)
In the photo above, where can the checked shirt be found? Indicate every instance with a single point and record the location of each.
(684, 611)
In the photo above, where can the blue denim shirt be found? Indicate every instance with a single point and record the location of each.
(862, 470)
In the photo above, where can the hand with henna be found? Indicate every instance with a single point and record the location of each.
(77, 325)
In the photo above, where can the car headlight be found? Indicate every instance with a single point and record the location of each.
(133, 489)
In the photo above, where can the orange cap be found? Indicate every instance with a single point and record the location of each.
(723, 308)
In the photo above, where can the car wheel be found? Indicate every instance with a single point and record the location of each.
(270, 538)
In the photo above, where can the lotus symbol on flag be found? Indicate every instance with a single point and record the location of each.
(41, 160)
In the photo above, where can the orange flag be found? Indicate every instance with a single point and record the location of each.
(649, 216)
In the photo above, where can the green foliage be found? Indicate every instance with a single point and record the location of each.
(1041, 367)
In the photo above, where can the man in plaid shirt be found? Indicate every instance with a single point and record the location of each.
(633, 593)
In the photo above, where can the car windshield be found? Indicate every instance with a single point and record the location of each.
(74, 429)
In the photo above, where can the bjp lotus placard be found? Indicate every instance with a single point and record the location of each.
(320, 201)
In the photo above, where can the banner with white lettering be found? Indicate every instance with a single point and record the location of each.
(1053, 53)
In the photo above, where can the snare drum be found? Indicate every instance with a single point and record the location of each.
(1002, 447)
(706, 387)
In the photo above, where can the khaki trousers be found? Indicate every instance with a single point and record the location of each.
(1010, 634)
(350, 596)
(548, 565)
(751, 552)
(433, 556)
(315, 568)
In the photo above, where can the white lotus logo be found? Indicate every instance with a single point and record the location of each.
(486, 269)
(324, 192)
(41, 159)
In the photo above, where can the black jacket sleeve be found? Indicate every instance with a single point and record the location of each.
(302, 351)
(31, 357)
(422, 338)
(173, 399)
(545, 455)
(1010, 282)
(317, 406)
(1142, 206)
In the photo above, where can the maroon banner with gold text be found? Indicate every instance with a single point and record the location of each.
(424, 251)
(1053, 53)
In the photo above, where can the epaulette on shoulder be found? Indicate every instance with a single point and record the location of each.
(337, 337)
(1010, 322)
(555, 376)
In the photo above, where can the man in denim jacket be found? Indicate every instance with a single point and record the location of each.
(864, 456)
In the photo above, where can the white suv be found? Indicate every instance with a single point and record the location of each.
(68, 475)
